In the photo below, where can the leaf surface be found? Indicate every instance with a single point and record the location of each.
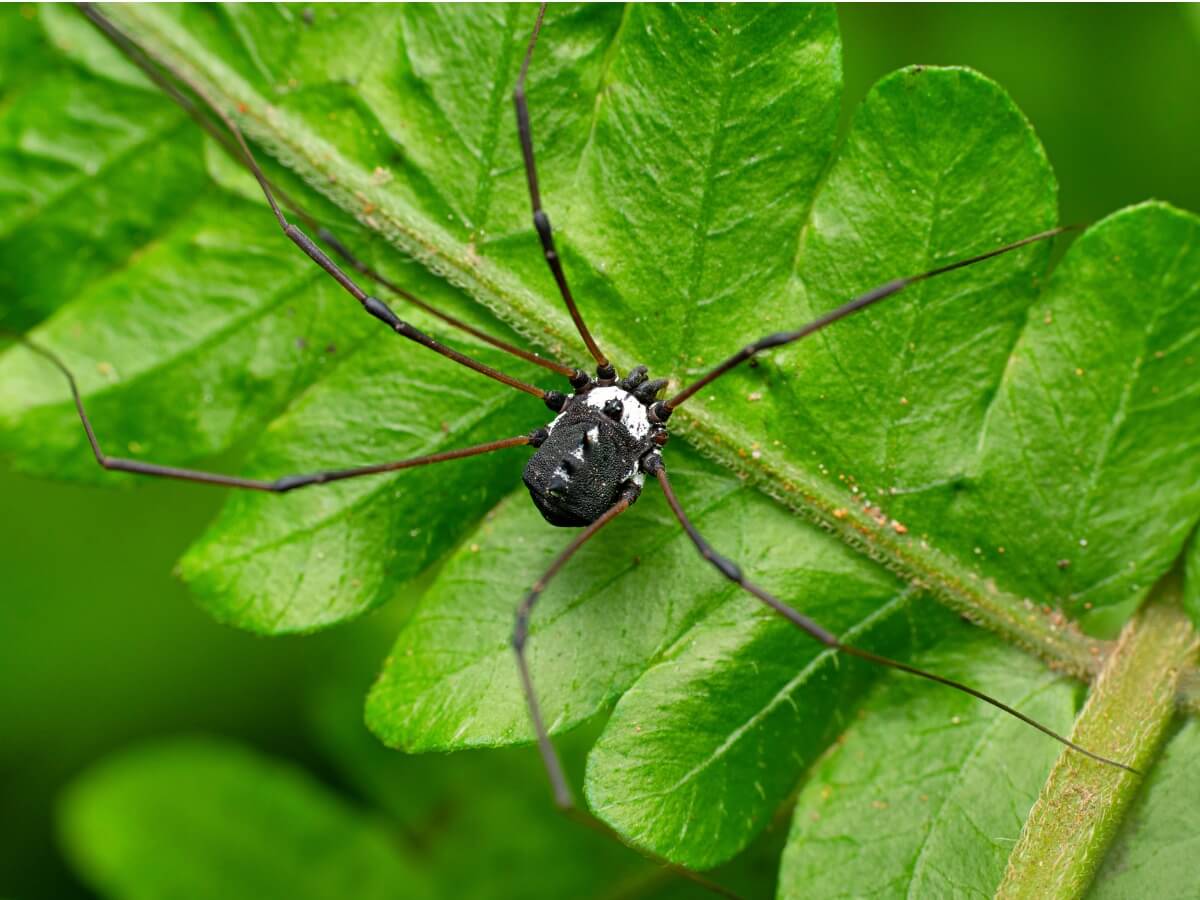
(451, 680)
(1156, 848)
(688, 161)
(204, 818)
(318, 556)
(931, 155)
(926, 792)
(92, 169)
(705, 746)
(189, 346)
(1091, 444)
(464, 807)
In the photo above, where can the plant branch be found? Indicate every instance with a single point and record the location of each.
(1126, 716)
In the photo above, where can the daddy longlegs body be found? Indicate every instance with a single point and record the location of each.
(590, 462)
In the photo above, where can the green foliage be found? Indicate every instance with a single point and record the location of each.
(681, 644)
(1127, 716)
(1004, 439)
(1191, 588)
(1157, 843)
(199, 817)
(1116, 458)
(202, 818)
(907, 803)
(94, 163)
(464, 807)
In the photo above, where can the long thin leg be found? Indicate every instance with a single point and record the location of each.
(520, 636)
(541, 221)
(733, 572)
(558, 779)
(372, 305)
(163, 75)
(276, 486)
(575, 376)
(664, 409)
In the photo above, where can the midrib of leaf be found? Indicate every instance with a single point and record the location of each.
(915, 322)
(818, 186)
(717, 437)
(610, 53)
(247, 38)
(1117, 420)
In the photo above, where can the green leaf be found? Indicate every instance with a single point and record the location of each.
(1156, 848)
(92, 169)
(465, 806)
(704, 747)
(204, 818)
(688, 160)
(311, 558)
(1191, 584)
(198, 340)
(925, 794)
(182, 353)
(1110, 487)
(708, 134)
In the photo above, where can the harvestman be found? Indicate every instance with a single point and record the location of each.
(591, 461)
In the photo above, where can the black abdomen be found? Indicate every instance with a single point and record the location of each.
(579, 471)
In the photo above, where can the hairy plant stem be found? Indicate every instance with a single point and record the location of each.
(1076, 816)
(1051, 637)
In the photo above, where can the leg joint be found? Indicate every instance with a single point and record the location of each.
(725, 566)
(291, 482)
(652, 463)
(766, 343)
(382, 311)
(541, 222)
(520, 632)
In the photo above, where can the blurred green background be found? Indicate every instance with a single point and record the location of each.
(101, 648)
